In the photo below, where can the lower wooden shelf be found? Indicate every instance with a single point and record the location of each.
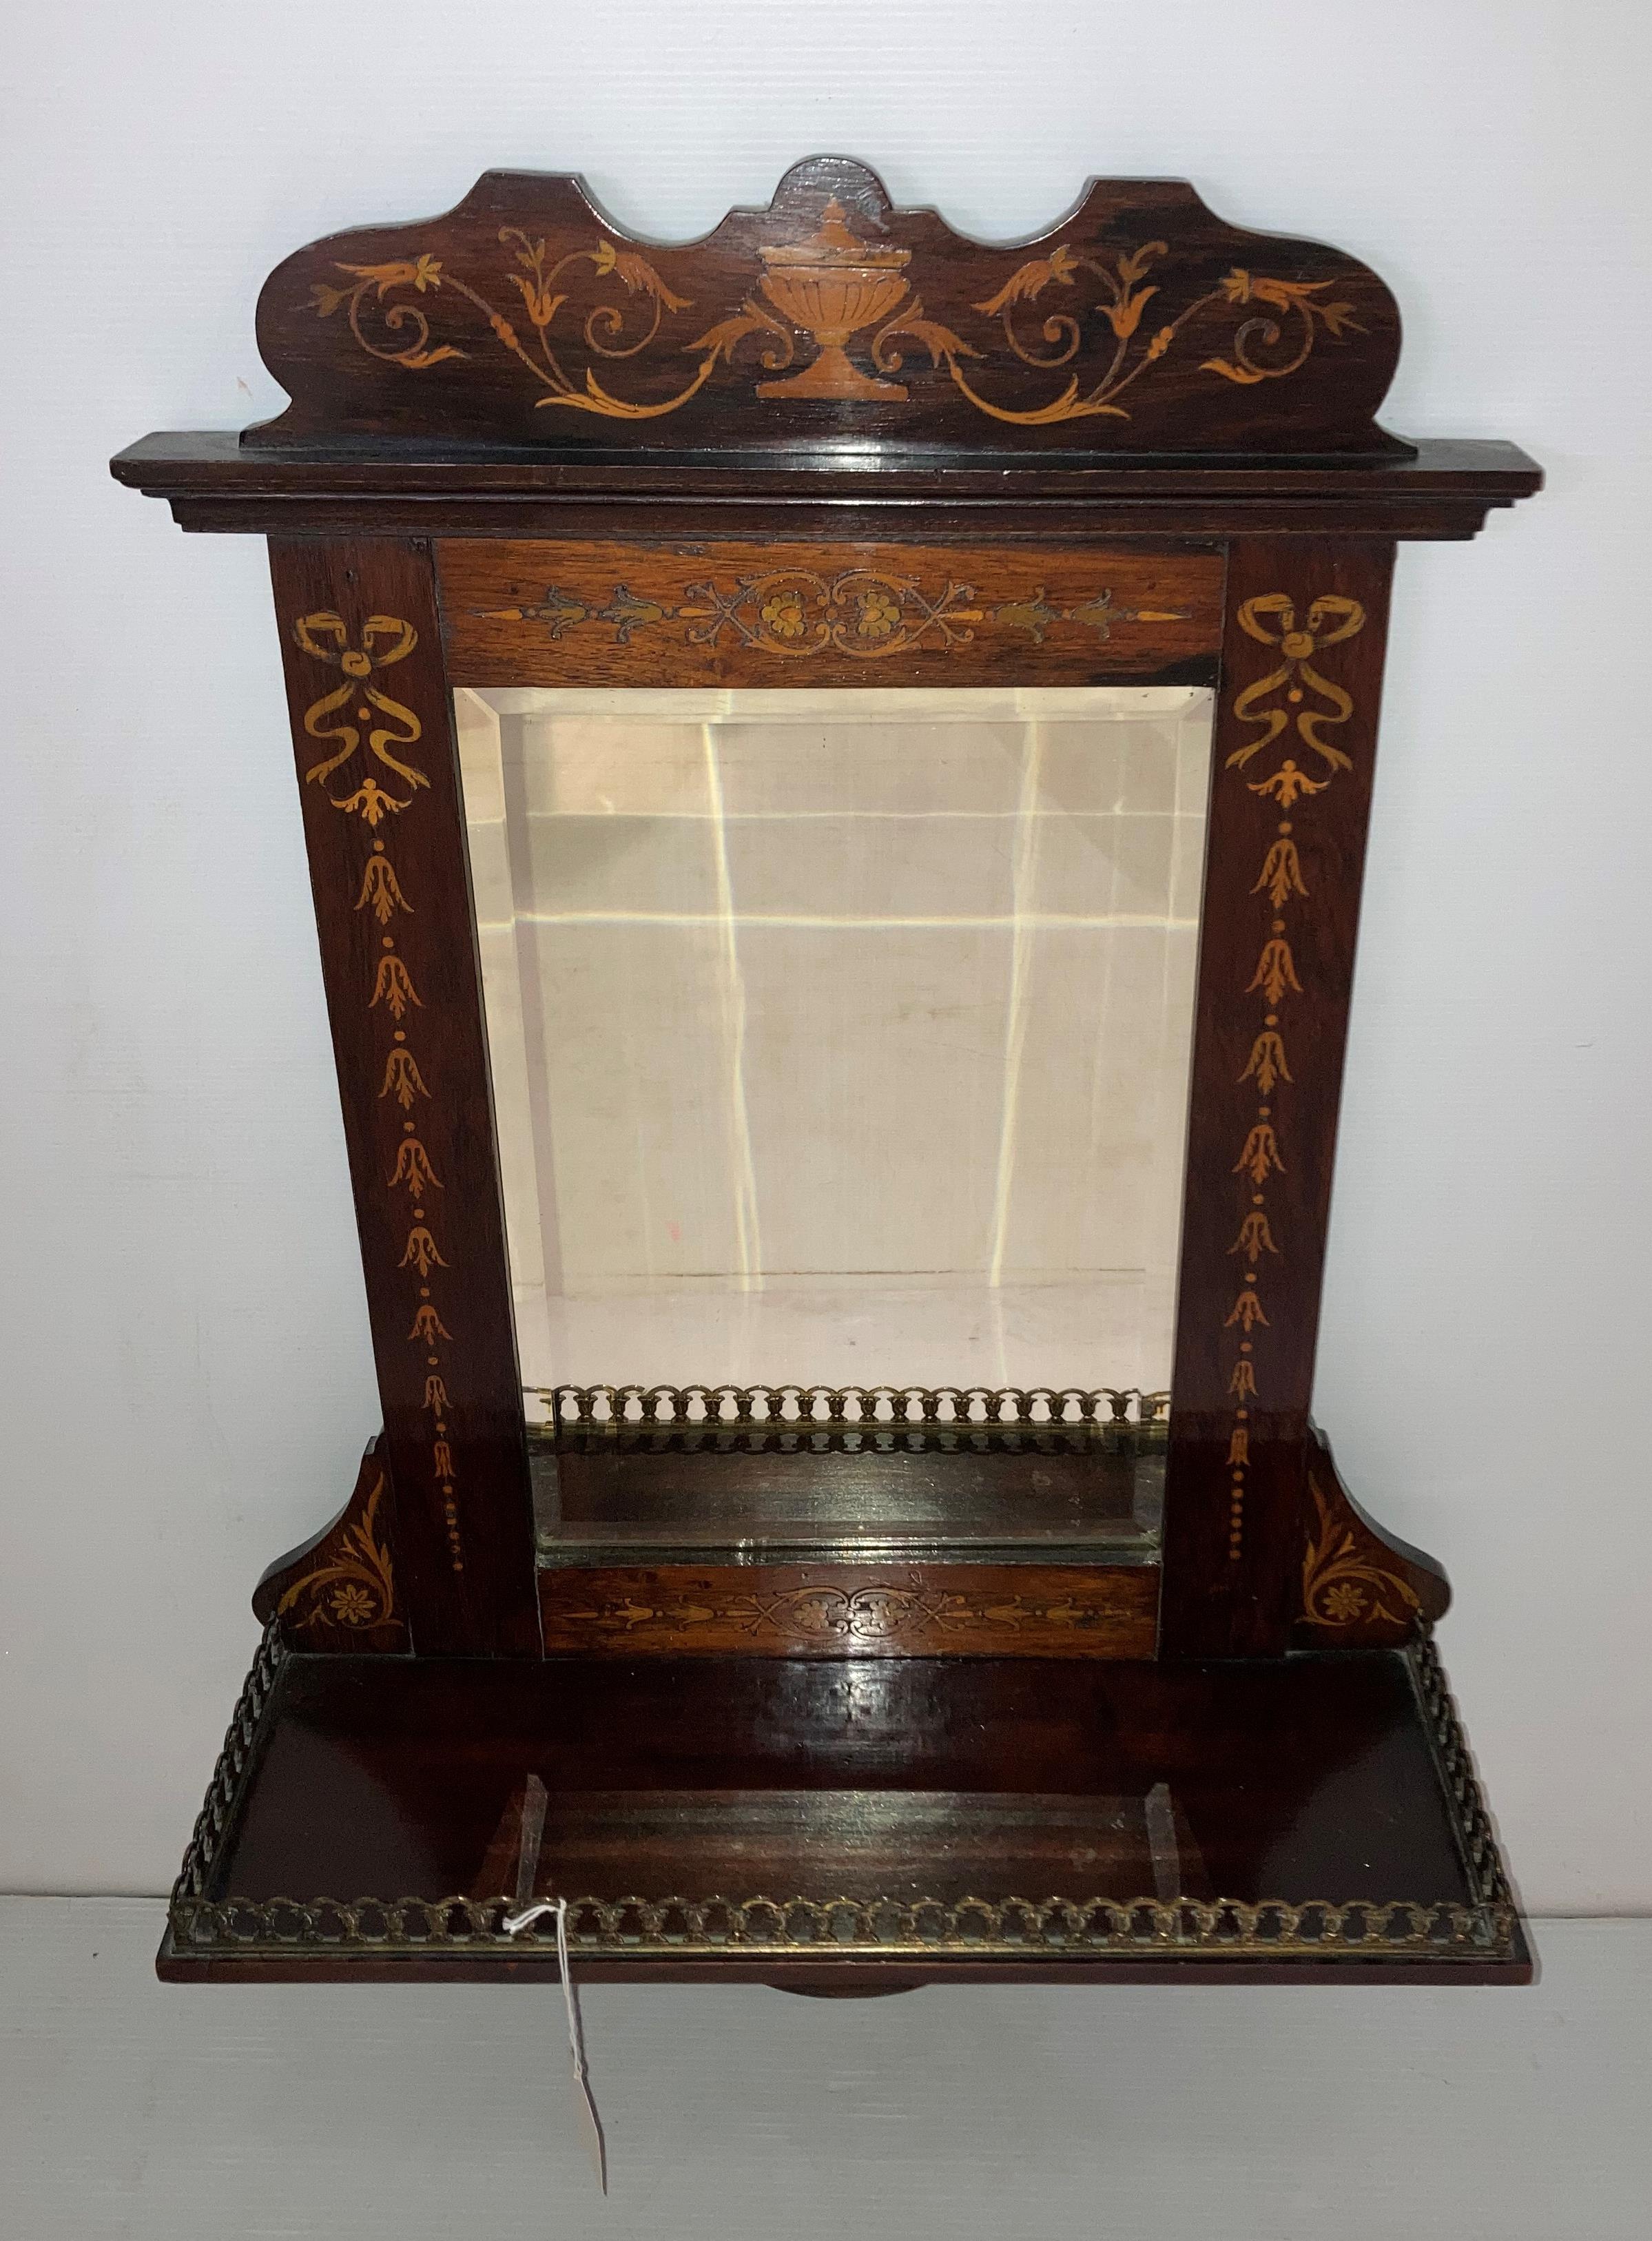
(856, 1826)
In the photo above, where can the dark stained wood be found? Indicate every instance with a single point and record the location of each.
(1139, 323)
(1361, 1588)
(851, 1610)
(1291, 766)
(214, 483)
(837, 414)
(378, 770)
(1302, 1780)
(779, 614)
(338, 1590)
(845, 1979)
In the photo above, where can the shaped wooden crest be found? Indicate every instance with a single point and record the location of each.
(1141, 324)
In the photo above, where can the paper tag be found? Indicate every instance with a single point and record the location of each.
(529, 1910)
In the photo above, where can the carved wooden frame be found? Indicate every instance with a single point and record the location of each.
(937, 460)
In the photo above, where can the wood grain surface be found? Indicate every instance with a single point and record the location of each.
(768, 613)
(1302, 1780)
(1143, 323)
(374, 487)
(372, 728)
(1292, 764)
(339, 1590)
(834, 443)
(852, 1610)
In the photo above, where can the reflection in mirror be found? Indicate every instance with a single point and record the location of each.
(840, 1037)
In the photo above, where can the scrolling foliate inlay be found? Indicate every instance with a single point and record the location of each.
(1122, 301)
(849, 1609)
(1143, 320)
(795, 613)
(354, 1585)
(1343, 1584)
(883, 1612)
(1294, 700)
(378, 290)
(828, 290)
(388, 995)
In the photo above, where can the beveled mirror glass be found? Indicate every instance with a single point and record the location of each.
(841, 1038)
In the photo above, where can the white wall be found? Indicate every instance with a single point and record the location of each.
(184, 1349)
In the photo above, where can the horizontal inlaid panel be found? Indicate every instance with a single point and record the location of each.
(779, 614)
(852, 1610)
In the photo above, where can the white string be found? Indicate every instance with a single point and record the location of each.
(596, 2147)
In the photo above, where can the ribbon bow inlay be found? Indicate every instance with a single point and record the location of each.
(1296, 673)
(325, 638)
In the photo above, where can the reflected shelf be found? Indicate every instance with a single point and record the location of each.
(738, 1475)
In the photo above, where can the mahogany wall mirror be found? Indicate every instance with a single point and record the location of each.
(835, 761)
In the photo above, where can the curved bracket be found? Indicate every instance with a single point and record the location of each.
(338, 1591)
(1362, 1588)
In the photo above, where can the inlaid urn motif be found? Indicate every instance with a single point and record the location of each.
(833, 284)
